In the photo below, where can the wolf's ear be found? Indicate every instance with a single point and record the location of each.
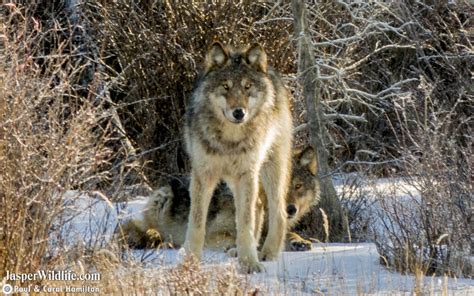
(308, 159)
(216, 56)
(257, 57)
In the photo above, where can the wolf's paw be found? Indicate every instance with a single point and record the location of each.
(250, 267)
(296, 243)
(267, 255)
(153, 238)
(232, 252)
(300, 245)
(131, 234)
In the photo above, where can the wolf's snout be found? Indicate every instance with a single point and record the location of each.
(238, 114)
(291, 210)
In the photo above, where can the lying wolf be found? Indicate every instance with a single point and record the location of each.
(166, 214)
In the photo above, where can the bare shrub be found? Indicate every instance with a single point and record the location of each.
(372, 54)
(52, 139)
(154, 50)
(396, 86)
(357, 202)
(431, 231)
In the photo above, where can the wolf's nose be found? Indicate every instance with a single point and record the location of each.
(238, 114)
(291, 210)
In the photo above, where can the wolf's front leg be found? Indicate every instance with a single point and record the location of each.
(275, 177)
(260, 214)
(246, 188)
(201, 189)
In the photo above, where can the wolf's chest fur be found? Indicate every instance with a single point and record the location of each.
(221, 138)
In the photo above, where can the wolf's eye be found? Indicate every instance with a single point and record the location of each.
(225, 86)
(248, 85)
(298, 186)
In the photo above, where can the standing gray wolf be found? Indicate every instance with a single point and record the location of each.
(167, 210)
(238, 129)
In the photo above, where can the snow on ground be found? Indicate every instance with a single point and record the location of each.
(328, 269)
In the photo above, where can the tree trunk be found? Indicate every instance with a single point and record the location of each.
(308, 72)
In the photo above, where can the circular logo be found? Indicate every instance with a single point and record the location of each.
(7, 289)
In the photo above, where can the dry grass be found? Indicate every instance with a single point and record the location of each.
(113, 277)
(189, 278)
(51, 139)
